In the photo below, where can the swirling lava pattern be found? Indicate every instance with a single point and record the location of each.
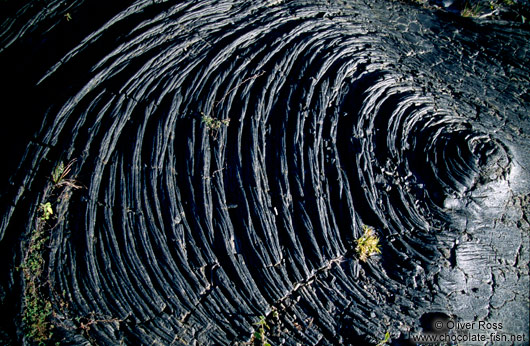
(186, 233)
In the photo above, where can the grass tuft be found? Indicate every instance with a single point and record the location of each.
(470, 10)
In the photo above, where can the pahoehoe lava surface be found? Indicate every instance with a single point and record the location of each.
(337, 114)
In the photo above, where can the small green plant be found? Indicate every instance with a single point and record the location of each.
(385, 340)
(367, 244)
(60, 172)
(46, 211)
(68, 16)
(37, 317)
(471, 10)
(259, 335)
(37, 306)
(213, 123)
(37, 310)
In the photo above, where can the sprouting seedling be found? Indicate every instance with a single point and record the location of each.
(367, 244)
(260, 333)
(385, 340)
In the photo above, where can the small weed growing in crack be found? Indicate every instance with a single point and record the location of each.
(46, 210)
(38, 311)
(259, 335)
(385, 340)
(213, 123)
(59, 174)
(368, 244)
(471, 10)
